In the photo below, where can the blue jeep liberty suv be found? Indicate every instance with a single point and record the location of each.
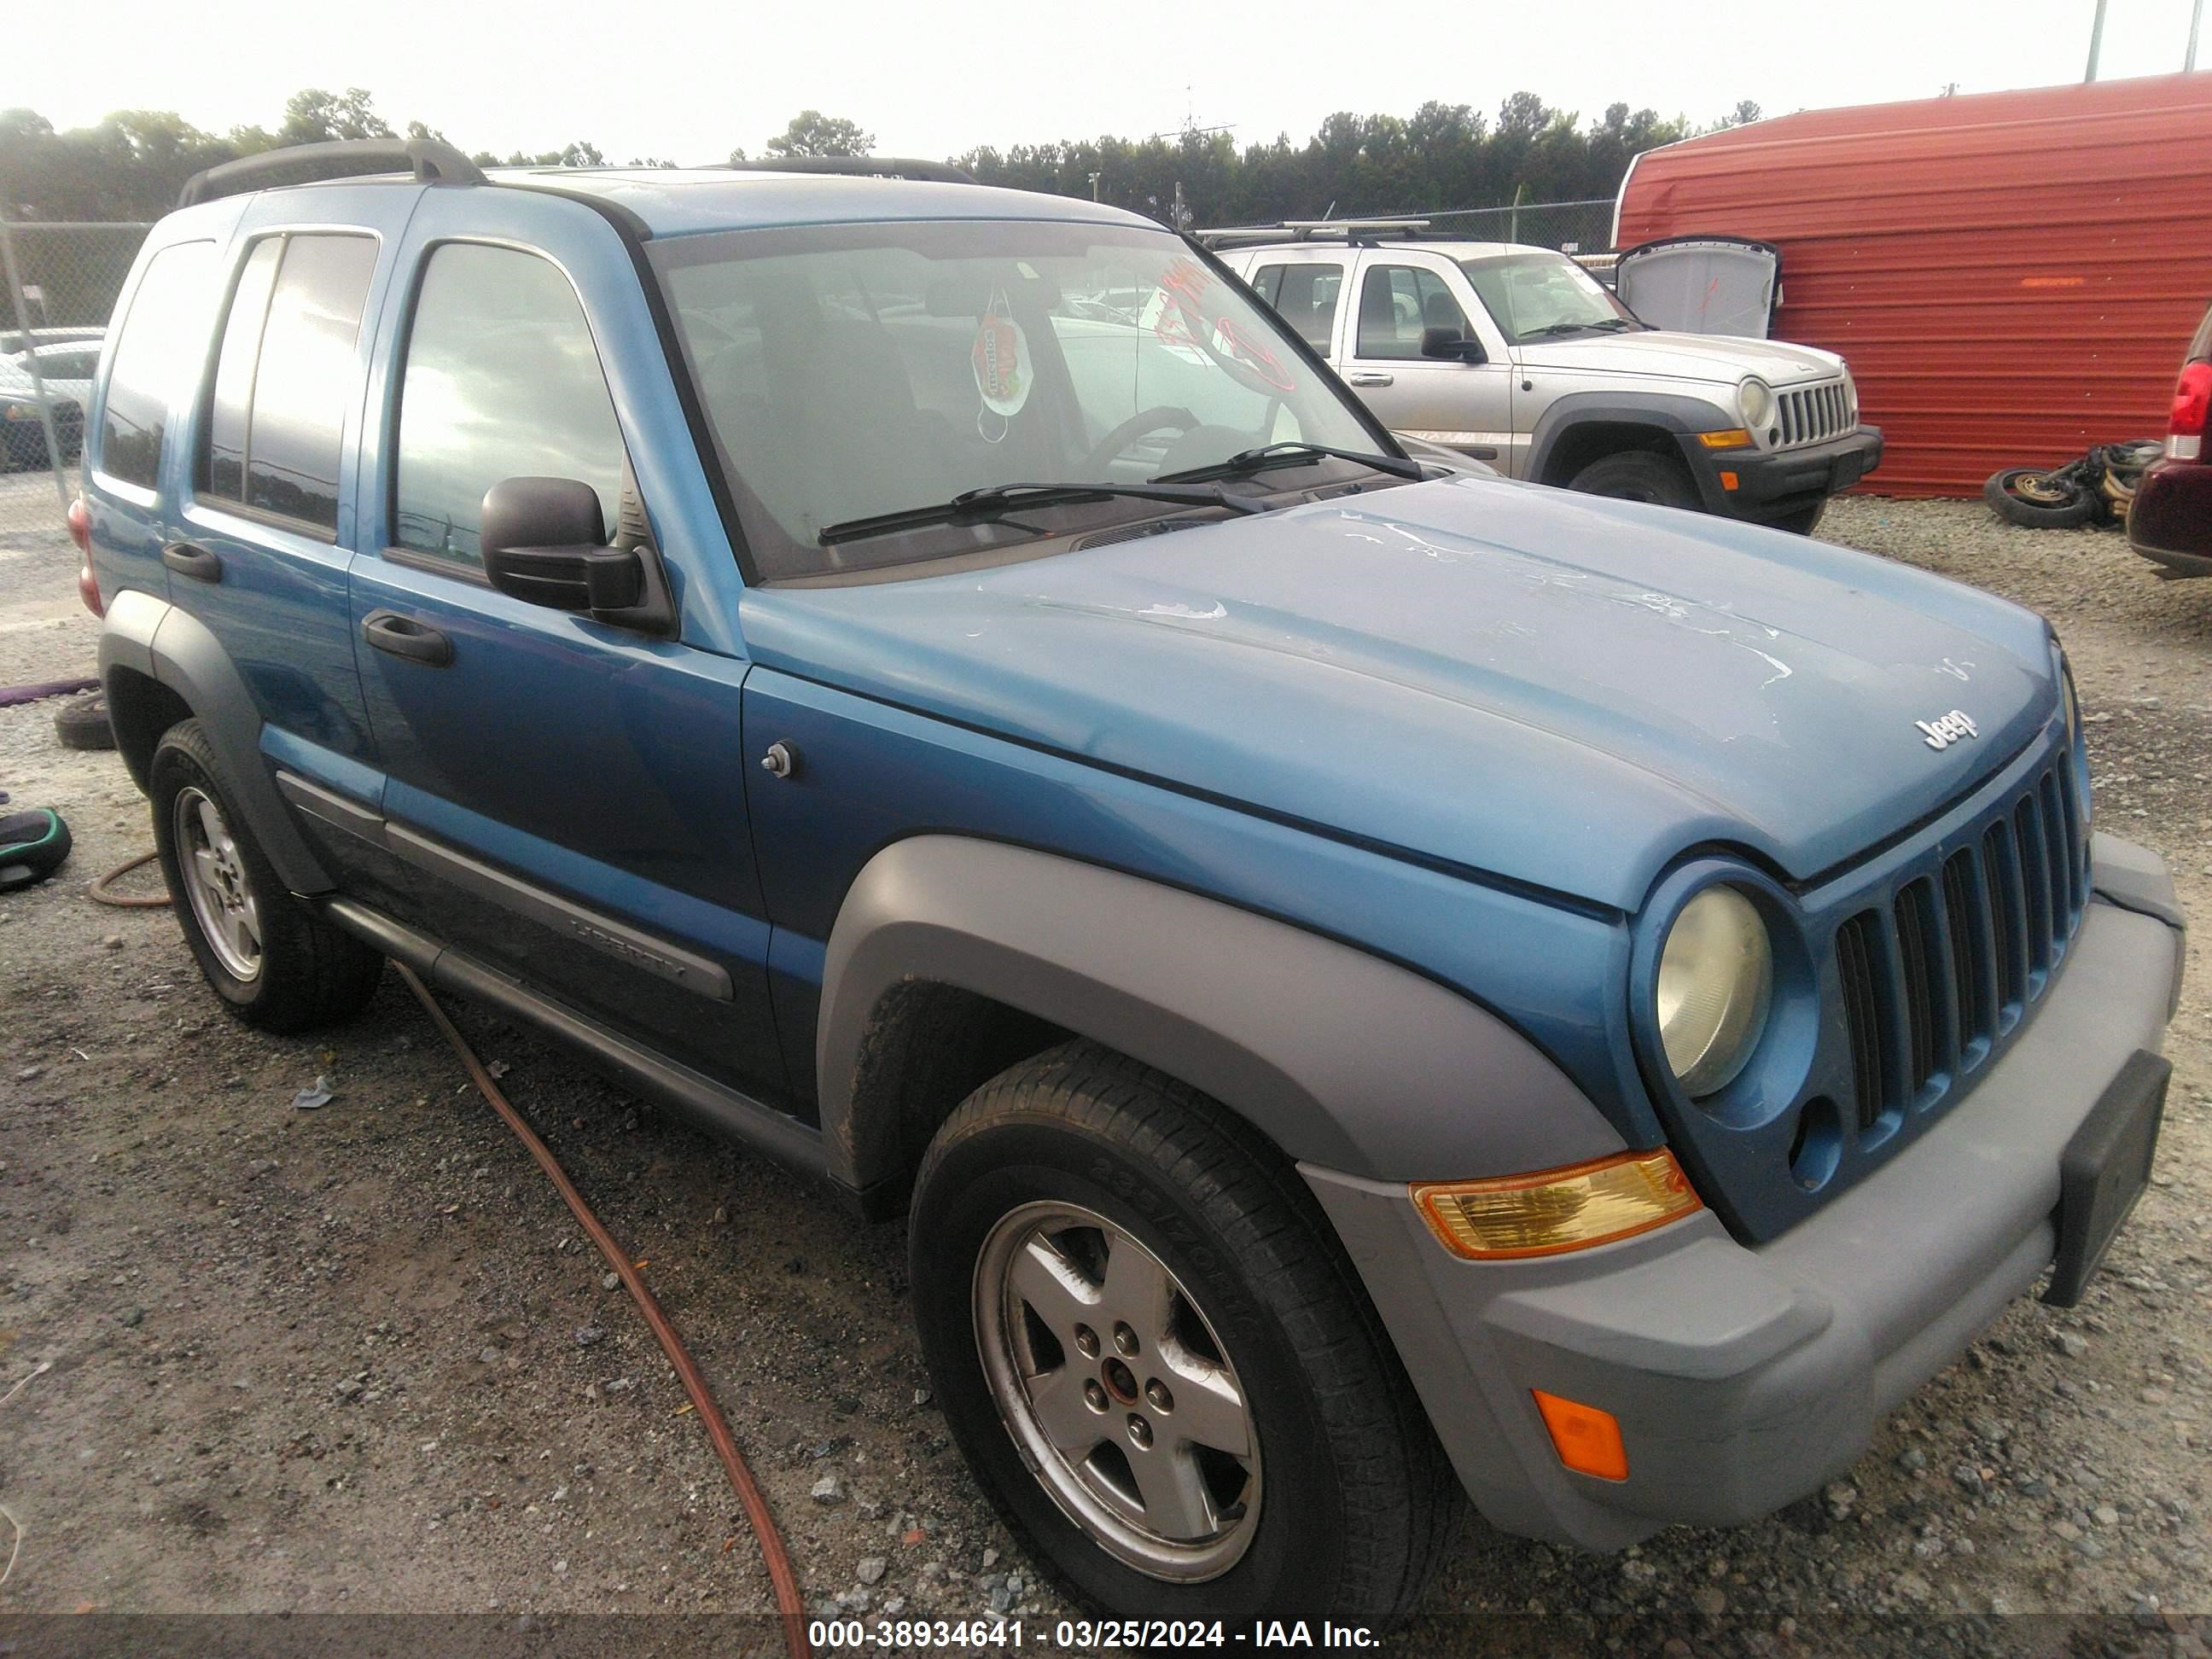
(1367, 982)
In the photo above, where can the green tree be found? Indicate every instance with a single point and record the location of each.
(814, 133)
(313, 116)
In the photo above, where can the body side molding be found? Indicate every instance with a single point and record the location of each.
(602, 933)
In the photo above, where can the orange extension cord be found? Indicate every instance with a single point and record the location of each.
(773, 1553)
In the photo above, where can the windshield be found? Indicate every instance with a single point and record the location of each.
(1534, 295)
(850, 371)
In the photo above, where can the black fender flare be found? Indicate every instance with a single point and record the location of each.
(1342, 1058)
(145, 636)
(1680, 416)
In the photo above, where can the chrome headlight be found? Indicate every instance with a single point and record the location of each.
(1850, 399)
(1756, 400)
(1716, 982)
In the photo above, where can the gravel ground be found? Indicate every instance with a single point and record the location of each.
(358, 1359)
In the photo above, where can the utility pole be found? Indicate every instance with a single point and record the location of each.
(2096, 40)
(1095, 178)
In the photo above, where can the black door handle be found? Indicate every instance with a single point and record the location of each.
(197, 562)
(403, 636)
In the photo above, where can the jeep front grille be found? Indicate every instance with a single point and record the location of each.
(1932, 978)
(1812, 415)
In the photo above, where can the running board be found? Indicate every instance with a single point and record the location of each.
(714, 1106)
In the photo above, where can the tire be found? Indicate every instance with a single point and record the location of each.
(275, 964)
(1803, 521)
(82, 722)
(2017, 496)
(1636, 475)
(1345, 1502)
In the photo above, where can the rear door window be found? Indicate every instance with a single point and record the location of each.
(156, 358)
(286, 377)
(502, 381)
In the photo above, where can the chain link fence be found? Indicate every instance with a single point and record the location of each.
(58, 284)
(1584, 228)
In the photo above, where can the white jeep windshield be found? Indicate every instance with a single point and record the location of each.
(848, 371)
(1532, 295)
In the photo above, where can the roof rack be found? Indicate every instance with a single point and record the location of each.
(1307, 230)
(431, 162)
(865, 166)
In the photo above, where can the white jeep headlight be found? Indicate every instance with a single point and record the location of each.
(1756, 399)
(1716, 982)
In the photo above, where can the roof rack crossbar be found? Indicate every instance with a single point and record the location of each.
(865, 166)
(1358, 232)
(431, 162)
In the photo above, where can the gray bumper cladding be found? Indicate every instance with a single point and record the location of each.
(1743, 1379)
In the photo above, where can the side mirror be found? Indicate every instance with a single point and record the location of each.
(543, 541)
(1450, 342)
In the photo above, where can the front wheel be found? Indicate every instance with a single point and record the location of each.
(1159, 1363)
(1803, 521)
(1637, 475)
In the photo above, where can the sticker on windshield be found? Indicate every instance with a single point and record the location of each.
(1236, 345)
(1001, 359)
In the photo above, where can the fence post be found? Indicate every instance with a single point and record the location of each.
(31, 360)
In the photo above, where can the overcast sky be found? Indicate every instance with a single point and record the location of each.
(686, 80)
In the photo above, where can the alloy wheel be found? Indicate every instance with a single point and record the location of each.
(216, 882)
(1113, 1383)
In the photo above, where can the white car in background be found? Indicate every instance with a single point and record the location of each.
(65, 371)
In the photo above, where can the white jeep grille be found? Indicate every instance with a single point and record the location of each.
(1812, 414)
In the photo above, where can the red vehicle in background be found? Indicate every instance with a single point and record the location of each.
(2170, 519)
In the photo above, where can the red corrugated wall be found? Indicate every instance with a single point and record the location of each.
(2012, 275)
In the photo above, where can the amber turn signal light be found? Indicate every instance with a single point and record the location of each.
(1728, 437)
(1555, 1210)
(1588, 1440)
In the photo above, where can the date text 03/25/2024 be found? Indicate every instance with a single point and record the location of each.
(1082, 1635)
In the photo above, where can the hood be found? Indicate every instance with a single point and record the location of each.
(1725, 357)
(1551, 688)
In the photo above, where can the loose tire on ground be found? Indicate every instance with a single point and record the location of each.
(1347, 1502)
(1639, 476)
(82, 722)
(2020, 495)
(275, 963)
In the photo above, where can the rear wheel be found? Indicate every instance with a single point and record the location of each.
(1157, 1360)
(274, 962)
(1639, 476)
(2028, 496)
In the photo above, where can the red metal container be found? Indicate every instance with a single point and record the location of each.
(2012, 275)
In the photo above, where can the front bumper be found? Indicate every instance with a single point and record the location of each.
(1744, 1378)
(1774, 484)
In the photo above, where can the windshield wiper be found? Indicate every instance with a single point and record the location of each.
(1293, 452)
(994, 501)
(1604, 326)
